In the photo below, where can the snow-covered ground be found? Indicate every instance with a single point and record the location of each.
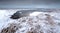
(45, 22)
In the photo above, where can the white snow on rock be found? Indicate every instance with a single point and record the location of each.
(4, 17)
(45, 22)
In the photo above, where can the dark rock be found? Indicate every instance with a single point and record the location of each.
(16, 15)
(21, 13)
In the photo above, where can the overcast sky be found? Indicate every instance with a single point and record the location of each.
(29, 3)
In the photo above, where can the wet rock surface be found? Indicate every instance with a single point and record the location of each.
(16, 15)
(21, 13)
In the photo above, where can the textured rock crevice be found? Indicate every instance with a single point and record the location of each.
(10, 29)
